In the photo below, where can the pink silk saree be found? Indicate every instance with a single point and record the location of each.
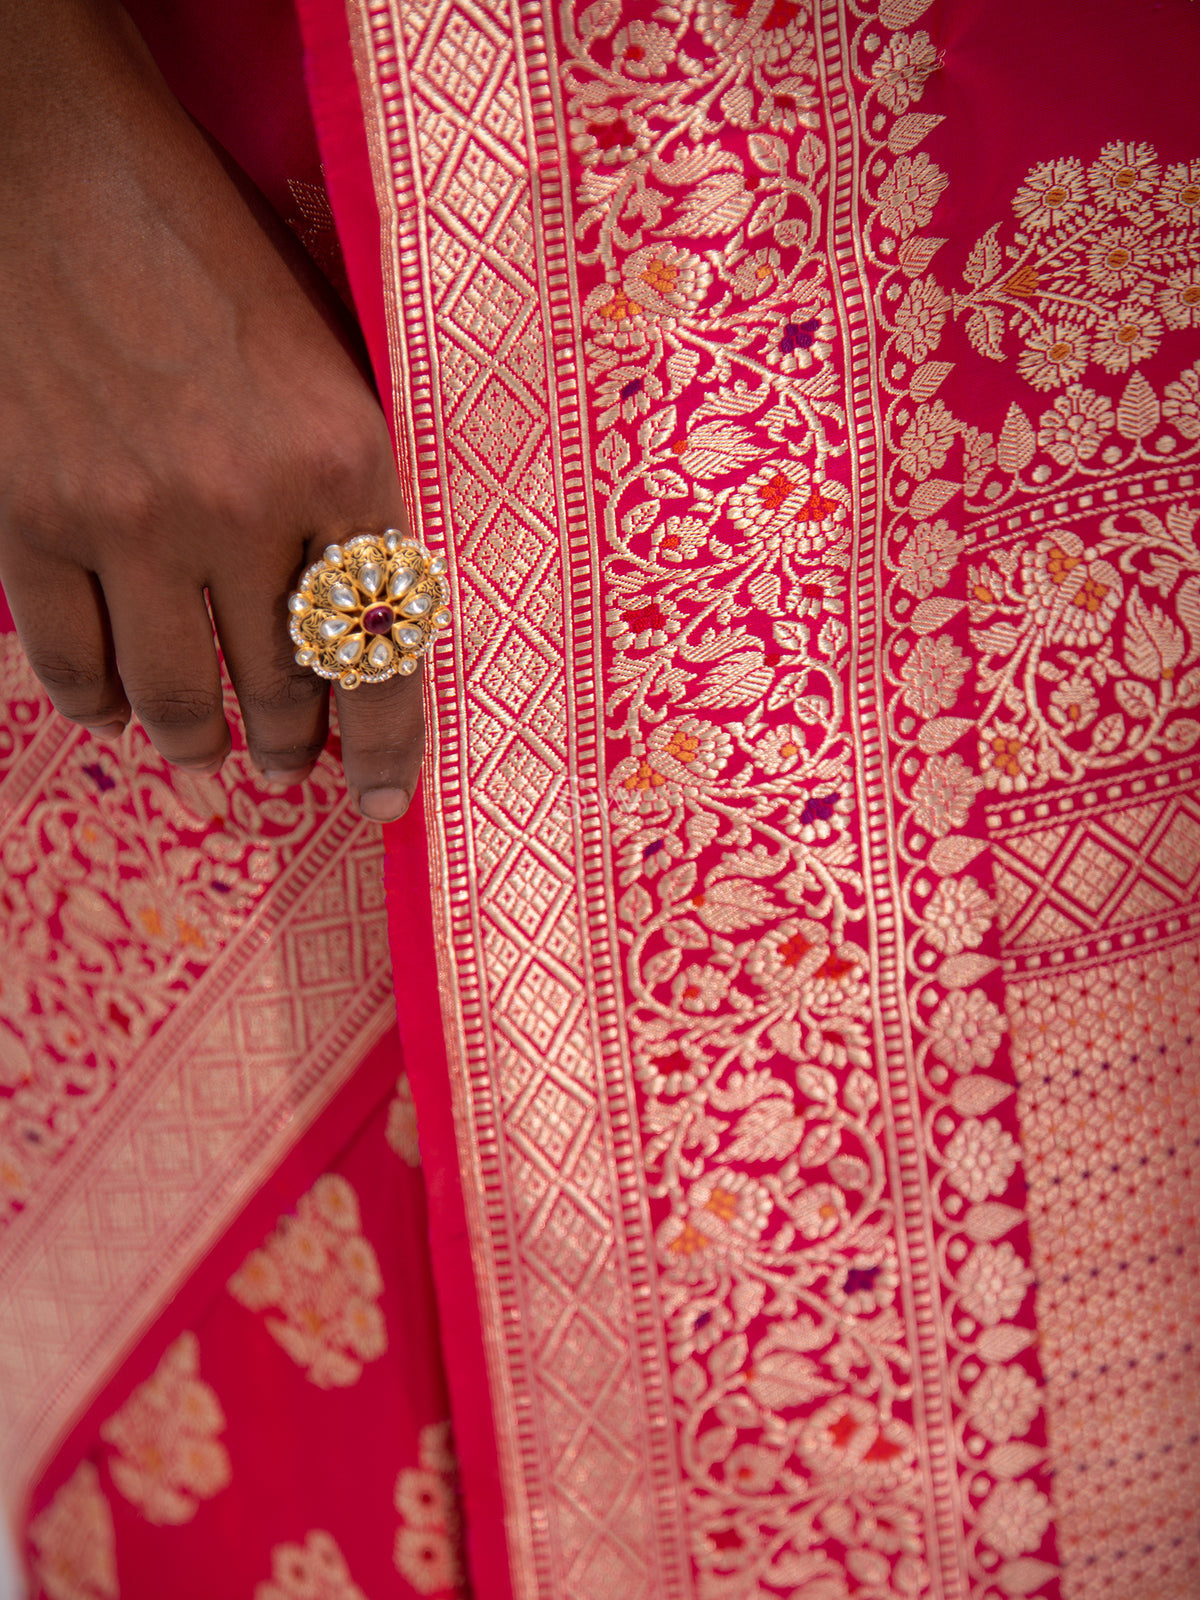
(796, 952)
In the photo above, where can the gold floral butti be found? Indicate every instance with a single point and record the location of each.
(318, 1279)
(369, 609)
(166, 1453)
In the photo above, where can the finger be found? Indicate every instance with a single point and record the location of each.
(382, 728)
(64, 630)
(285, 708)
(167, 659)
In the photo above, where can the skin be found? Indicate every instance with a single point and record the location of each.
(182, 413)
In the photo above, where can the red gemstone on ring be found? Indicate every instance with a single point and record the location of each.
(379, 619)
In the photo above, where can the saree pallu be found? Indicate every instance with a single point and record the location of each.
(807, 397)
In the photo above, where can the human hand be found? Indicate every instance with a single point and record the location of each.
(181, 412)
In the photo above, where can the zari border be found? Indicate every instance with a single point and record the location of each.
(915, 1240)
(538, 1560)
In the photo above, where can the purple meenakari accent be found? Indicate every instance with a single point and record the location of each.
(379, 619)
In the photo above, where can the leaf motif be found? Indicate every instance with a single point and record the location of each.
(641, 518)
(961, 972)
(730, 1357)
(1110, 732)
(767, 214)
(984, 260)
(734, 903)
(1012, 1459)
(662, 967)
(985, 329)
(1138, 412)
(658, 429)
(738, 1410)
(900, 13)
(821, 1141)
(916, 253)
(715, 448)
(799, 1333)
(991, 1220)
(976, 1094)
(1153, 643)
(1001, 639)
(907, 132)
(738, 680)
(686, 933)
(681, 368)
(767, 1132)
(818, 1083)
(718, 204)
(748, 1297)
(933, 614)
(787, 1378)
(1181, 734)
(768, 153)
(662, 482)
(714, 1444)
(635, 905)
(933, 494)
(1136, 698)
(953, 853)
(941, 733)
(1004, 1342)
(1025, 1575)
(678, 883)
(928, 379)
(1017, 442)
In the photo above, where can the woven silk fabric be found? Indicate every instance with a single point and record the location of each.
(807, 396)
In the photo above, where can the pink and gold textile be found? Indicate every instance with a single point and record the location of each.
(807, 394)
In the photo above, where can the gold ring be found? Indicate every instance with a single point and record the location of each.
(369, 608)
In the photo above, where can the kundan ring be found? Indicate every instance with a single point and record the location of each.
(369, 608)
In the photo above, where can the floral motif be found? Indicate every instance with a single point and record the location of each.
(1003, 1403)
(932, 675)
(966, 1030)
(927, 557)
(1100, 269)
(314, 1570)
(992, 1282)
(1014, 1518)
(322, 1277)
(1074, 427)
(980, 1158)
(427, 1543)
(943, 793)
(166, 1456)
(957, 916)
(926, 441)
(72, 1542)
(909, 193)
(919, 319)
(902, 67)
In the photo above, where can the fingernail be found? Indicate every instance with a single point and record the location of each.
(383, 805)
(289, 778)
(110, 730)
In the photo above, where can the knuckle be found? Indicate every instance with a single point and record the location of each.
(178, 709)
(282, 694)
(344, 464)
(84, 686)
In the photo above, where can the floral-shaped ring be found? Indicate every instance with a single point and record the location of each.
(369, 609)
